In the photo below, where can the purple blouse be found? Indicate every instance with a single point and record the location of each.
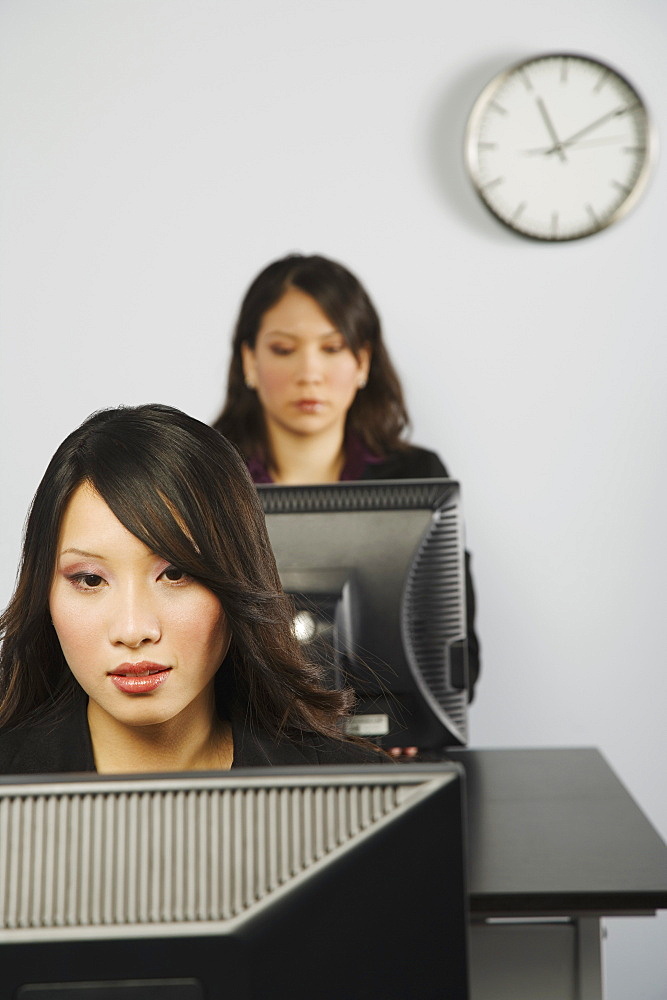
(357, 457)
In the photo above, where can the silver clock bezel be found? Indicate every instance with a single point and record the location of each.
(476, 118)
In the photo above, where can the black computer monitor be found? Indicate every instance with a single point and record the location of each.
(317, 883)
(378, 576)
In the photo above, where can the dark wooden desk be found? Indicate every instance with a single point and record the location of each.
(555, 843)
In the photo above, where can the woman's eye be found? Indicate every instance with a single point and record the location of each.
(87, 581)
(280, 350)
(173, 574)
(334, 347)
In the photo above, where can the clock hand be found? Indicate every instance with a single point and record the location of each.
(558, 145)
(601, 141)
(572, 139)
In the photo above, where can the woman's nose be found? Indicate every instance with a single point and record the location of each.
(310, 366)
(134, 621)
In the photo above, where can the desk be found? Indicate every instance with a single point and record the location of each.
(555, 843)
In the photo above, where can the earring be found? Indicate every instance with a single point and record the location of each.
(362, 383)
(249, 384)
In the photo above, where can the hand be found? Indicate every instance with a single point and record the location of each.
(558, 145)
(403, 751)
(572, 139)
(561, 144)
(603, 140)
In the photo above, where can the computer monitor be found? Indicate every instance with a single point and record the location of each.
(317, 883)
(378, 576)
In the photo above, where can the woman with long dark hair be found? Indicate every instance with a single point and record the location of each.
(312, 395)
(148, 630)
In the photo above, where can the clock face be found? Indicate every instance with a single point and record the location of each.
(559, 146)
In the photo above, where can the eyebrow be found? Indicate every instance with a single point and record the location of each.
(333, 332)
(81, 552)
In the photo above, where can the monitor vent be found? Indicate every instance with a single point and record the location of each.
(133, 860)
(434, 617)
(360, 495)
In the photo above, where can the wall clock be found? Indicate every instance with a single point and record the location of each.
(559, 146)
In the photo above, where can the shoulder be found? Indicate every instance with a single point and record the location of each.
(411, 462)
(56, 744)
(11, 744)
(255, 748)
(331, 751)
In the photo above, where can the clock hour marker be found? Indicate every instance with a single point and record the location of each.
(525, 79)
(593, 216)
(604, 76)
(498, 107)
(487, 145)
(494, 183)
(634, 149)
(563, 71)
(554, 224)
(621, 187)
(519, 211)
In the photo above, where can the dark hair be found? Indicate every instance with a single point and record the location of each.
(184, 491)
(377, 415)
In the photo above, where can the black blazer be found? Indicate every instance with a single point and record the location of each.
(62, 744)
(410, 463)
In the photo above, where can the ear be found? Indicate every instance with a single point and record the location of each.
(249, 366)
(364, 360)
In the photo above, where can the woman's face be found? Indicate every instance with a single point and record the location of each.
(143, 639)
(305, 374)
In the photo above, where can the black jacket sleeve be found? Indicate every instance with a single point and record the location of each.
(59, 743)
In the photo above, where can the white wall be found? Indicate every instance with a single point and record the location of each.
(156, 153)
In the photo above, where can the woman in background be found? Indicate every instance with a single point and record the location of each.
(148, 630)
(312, 395)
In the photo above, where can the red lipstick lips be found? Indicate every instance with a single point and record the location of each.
(139, 678)
(309, 405)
